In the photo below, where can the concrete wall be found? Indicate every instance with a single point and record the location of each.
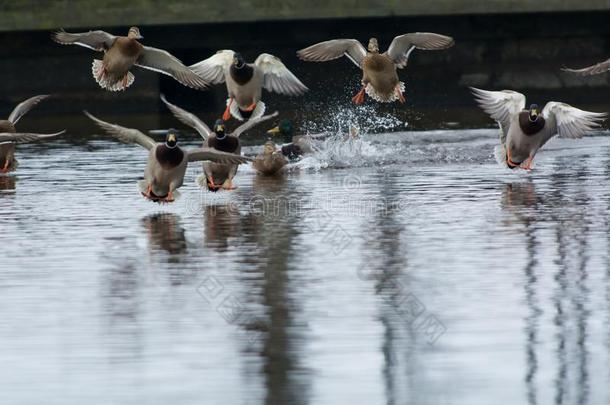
(49, 14)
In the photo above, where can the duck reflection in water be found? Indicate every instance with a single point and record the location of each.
(7, 183)
(165, 233)
(222, 223)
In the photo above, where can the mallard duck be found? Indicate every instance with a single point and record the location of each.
(379, 77)
(122, 53)
(217, 175)
(591, 70)
(525, 131)
(9, 136)
(294, 145)
(245, 81)
(271, 161)
(167, 162)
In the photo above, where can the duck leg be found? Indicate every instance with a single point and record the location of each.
(7, 164)
(251, 107)
(149, 191)
(509, 162)
(211, 185)
(227, 114)
(401, 96)
(169, 197)
(359, 97)
(528, 163)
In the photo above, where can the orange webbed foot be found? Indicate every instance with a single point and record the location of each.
(226, 116)
(401, 96)
(359, 97)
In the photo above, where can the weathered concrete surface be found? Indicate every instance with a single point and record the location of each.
(49, 14)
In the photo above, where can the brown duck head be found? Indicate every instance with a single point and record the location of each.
(269, 148)
(373, 45)
(134, 33)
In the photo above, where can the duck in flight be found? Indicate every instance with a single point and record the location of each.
(525, 131)
(379, 70)
(167, 162)
(122, 53)
(245, 81)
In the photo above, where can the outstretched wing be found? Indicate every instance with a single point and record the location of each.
(25, 106)
(23, 137)
(277, 77)
(591, 70)
(570, 122)
(199, 154)
(127, 135)
(402, 46)
(164, 62)
(213, 68)
(500, 105)
(252, 123)
(334, 49)
(188, 118)
(96, 40)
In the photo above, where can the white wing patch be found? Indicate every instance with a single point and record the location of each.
(276, 76)
(213, 68)
(571, 122)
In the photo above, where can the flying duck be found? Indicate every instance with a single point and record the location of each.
(167, 162)
(217, 175)
(379, 76)
(245, 81)
(525, 131)
(122, 53)
(9, 136)
(591, 70)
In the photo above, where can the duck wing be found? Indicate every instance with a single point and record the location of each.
(276, 76)
(164, 62)
(96, 40)
(402, 45)
(251, 123)
(214, 155)
(591, 70)
(500, 105)
(334, 49)
(126, 135)
(23, 137)
(213, 68)
(189, 119)
(566, 121)
(25, 106)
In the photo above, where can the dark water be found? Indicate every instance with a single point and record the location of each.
(405, 268)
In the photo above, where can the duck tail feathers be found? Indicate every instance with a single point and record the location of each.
(384, 98)
(100, 76)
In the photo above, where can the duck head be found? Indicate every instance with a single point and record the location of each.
(373, 45)
(269, 148)
(219, 129)
(238, 60)
(534, 112)
(171, 139)
(134, 33)
(285, 128)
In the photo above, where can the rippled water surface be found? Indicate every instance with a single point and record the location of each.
(403, 268)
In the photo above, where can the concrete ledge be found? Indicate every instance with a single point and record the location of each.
(49, 14)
